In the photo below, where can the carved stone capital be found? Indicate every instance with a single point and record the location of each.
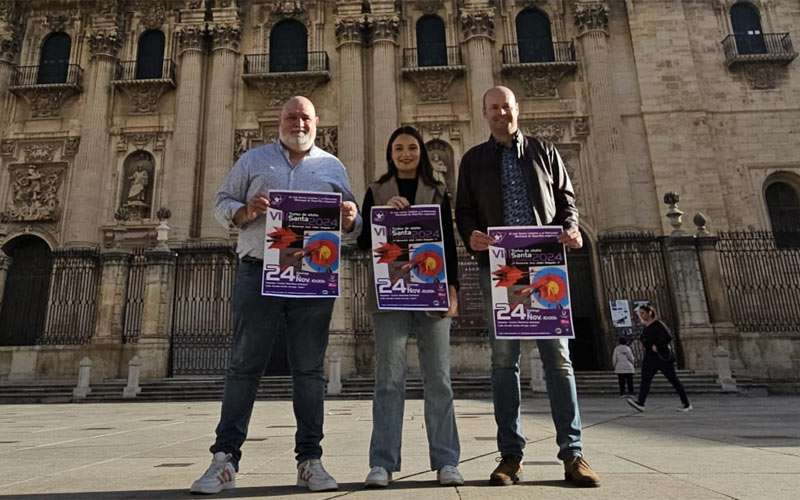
(350, 30)
(225, 36)
(190, 37)
(384, 29)
(433, 83)
(477, 24)
(34, 192)
(145, 94)
(592, 16)
(104, 43)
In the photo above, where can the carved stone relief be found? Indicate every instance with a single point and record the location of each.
(152, 12)
(430, 6)
(540, 81)
(277, 10)
(477, 23)
(8, 147)
(144, 95)
(592, 16)
(40, 153)
(225, 36)
(277, 88)
(441, 157)
(549, 131)
(580, 127)
(46, 102)
(141, 140)
(245, 139)
(385, 29)
(433, 83)
(71, 145)
(350, 30)
(104, 43)
(34, 191)
(190, 37)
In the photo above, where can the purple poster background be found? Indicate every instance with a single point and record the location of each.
(408, 258)
(302, 244)
(530, 284)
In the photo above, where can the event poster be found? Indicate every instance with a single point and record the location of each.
(302, 244)
(620, 313)
(408, 258)
(530, 285)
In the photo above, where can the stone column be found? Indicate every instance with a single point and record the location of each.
(477, 27)
(352, 133)
(5, 265)
(83, 213)
(384, 32)
(219, 122)
(112, 296)
(9, 48)
(179, 186)
(591, 18)
(154, 339)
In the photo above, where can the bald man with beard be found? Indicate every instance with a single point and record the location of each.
(292, 162)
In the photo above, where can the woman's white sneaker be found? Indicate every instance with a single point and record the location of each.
(312, 475)
(220, 475)
(449, 476)
(378, 477)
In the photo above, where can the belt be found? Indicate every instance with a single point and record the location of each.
(252, 260)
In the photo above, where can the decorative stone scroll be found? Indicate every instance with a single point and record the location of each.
(34, 191)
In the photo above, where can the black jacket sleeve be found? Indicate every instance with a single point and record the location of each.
(364, 239)
(466, 204)
(449, 237)
(563, 192)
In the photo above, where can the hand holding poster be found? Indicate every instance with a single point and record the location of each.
(530, 287)
(408, 258)
(302, 244)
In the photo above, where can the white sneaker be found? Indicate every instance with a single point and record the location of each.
(378, 477)
(221, 475)
(312, 475)
(685, 409)
(449, 476)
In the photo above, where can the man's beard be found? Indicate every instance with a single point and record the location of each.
(301, 141)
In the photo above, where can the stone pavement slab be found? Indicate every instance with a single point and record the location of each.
(729, 447)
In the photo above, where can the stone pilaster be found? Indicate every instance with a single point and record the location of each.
(384, 32)
(179, 192)
(112, 296)
(9, 49)
(219, 127)
(352, 133)
(591, 18)
(5, 265)
(477, 28)
(159, 283)
(91, 165)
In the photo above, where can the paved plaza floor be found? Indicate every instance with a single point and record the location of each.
(729, 447)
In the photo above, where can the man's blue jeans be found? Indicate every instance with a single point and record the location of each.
(392, 329)
(257, 322)
(559, 378)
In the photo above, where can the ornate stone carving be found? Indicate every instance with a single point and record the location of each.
(55, 22)
(276, 88)
(477, 23)
(34, 192)
(384, 29)
(430, 6)
(152, 12)
(104, 43)
(242, 141)
(549, 131)
(580, 127)
(71, 147)
(763, 75)
(138, 173)
(46, 102)
(7, 147)
(190, 37)
(541, 81)
(141, 140)
(350, 30)
(194, 4)
(432, 84)
(145, 94)
(441, 158)
(224, 4)
(328, 139)
(225, 36)
(277, 10)
(40, 153)
(591, 17)
(9, 43)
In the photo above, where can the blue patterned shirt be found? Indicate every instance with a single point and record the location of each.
(517, 210)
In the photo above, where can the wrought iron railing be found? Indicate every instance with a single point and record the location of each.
(432, 56)
(131, 71)
(73, 297)
(557, 52)
(360, 263)
(765, 45)
(762, 280)
(471, 319)
(30, 76)
(134, 298)
(286, 62)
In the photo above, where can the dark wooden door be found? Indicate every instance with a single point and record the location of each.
(24, 307)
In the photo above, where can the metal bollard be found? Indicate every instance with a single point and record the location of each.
(724, 375)
(132, 389)
(537, 372)
(84, 374)
(335, 374)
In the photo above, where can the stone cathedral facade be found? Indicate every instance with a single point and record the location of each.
(120, 118)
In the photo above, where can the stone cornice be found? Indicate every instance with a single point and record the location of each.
(591, 16)
(350, 30)
(384, 29)
(225, 36)
(478, 23)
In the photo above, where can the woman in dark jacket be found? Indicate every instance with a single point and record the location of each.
(409, 181)
(658, 357)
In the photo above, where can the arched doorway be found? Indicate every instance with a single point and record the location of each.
(431, 41)
(54, 59)
(288, 47)
(746, 25)
(24, 307)
(150, 55)
(534, 37)
(586, 350)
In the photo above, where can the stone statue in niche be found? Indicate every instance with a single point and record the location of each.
(439, 167)
(138, 189)
(440, 155)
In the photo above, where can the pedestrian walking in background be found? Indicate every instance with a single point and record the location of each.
(623, 361)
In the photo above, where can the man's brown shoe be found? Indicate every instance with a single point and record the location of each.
(508, 472)
(578, 473)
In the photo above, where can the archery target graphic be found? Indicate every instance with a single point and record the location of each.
(321, 252)
(550, 289)
(427, 263)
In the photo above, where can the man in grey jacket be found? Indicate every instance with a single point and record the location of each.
(291, 163)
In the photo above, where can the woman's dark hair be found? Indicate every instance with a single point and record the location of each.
(649, 309)
(623, 341)
(424, 169)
